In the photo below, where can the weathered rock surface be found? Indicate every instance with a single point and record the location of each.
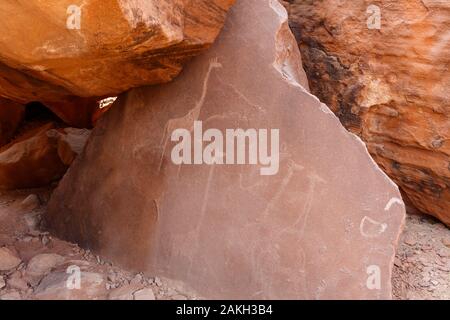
(64, 53)
(30, 203)
(11, 116)
(54, 287)
(42, 264)
(74, 111)
(8, 260)
(144, 294)
(17, 282)
(390, 86)
(71, 143)
(124, 293)
(41, 155)
(12, 295)
(227, 230)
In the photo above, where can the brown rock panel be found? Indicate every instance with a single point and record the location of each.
(321, 227)
(390, 86)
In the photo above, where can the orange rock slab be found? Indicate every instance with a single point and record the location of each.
(69, 53)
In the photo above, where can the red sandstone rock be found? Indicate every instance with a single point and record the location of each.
(390, 86)
(39, 156)
(324, 225)
(74, 111)
(11, 115)
(64, 53)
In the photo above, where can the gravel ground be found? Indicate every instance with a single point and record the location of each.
(422, 264)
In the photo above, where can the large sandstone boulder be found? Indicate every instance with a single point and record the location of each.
(388, 85)
(39, 156)
(60, 50)
(316, 219)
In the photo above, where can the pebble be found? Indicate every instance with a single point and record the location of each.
(410, 240)
(2, 282)
(136, 280)
(444, 253)
(27, 239)
(12, 295)
(112, 276)
(30, 203)
(144, 294)
(32, 221)
(426, 247)
(157, 281)
(42, 264)
(446, 242)
(123, 293)
(444, 268)
(17, 282)
(45, 240)
(8, 260)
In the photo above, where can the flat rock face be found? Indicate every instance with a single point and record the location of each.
(322, 222)
(57, 51)
(388, 85)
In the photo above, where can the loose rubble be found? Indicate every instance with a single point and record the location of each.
(8, 260)
(36, 266)
(422, 264)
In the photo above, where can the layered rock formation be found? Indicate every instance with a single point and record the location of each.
(65, 53)
(276, 224)
(389, 85)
